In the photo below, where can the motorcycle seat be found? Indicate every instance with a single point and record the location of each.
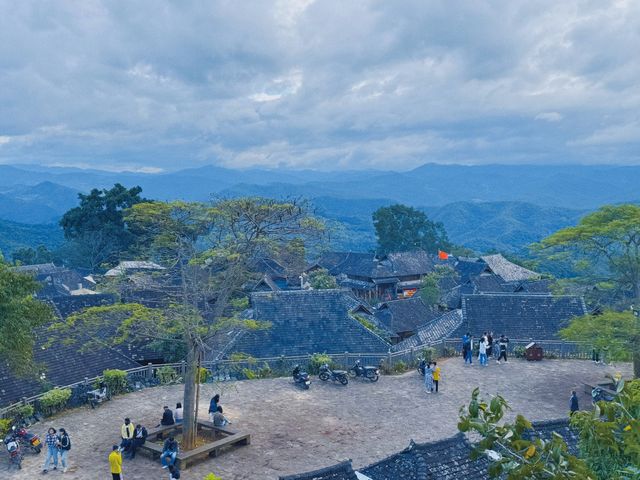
(339, 372)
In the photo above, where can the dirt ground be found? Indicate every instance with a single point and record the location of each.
(294, 431)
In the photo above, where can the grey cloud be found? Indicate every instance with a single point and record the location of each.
(322, 84)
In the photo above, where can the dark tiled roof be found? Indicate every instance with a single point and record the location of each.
(367, 265)
(532, 286)
(442, 460)
(436, 329)
(546, 429)
(519, 315)
(65, 363)
(341, 471)
(266, 283)
(67, 305)
(467, 269)
(305, 322)
(489, 284)
(404, 315)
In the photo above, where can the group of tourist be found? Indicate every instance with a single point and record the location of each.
(57, 444)
(488, 347)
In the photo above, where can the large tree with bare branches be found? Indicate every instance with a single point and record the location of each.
(208, 250)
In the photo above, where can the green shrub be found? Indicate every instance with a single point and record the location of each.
(212, 476)
(166, 375)
(519, 352)
(203, 375)
(116, 381)
(449, 352)
(249, 374)
(24, 411)
(55, 400)
(265, 371)
(317, 360)
(428, 354)
(5, 426)
(400, 367)
(242, 357)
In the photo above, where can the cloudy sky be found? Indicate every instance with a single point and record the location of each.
(151, 85)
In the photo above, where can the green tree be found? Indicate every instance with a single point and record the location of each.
(95, 229)
(609, 444)
(208, 251)
(430, 290)
(512, 454)
(605, 245)
(615, 333)
(30, 256)
(402, 228)
(20, 315)
(320, 279)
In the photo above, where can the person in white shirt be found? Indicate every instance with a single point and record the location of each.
(177, 413)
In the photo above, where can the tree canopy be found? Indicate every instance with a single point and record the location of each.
(96, 229)
(320, 279)
(605, 244)
(616, 334)
(20, 315)
(401, 228)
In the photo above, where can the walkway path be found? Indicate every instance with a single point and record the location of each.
(294, 430)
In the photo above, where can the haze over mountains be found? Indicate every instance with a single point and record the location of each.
(485, 207)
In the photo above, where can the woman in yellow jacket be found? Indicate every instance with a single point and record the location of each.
(436, 375)
(115, 461)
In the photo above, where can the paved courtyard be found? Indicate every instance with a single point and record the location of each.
(294, 430)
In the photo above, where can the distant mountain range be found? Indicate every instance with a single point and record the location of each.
(16, 235)
(489, 207)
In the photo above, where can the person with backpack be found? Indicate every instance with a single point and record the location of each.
(213, 406)
(467, 348)
(139, 437)
(436, 375)
(64, 445)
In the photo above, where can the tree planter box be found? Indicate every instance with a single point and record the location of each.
(221, 438)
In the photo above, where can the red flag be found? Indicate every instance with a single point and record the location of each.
(443, 255)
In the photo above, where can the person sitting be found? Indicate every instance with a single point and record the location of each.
(177, 413)
(98, 395)
(167, 417)
(170, 451)
(139, 437)
(126, 433)
(219, 420)
(213, 406)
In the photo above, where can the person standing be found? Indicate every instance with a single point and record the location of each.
(467, 348)
(502, 344)
(115, 463)
(573, 403)
(178, 412)
(64, 445)
(139, 437)
(213, 406)
(436, 375)
(126, 432)
(482, 351)
(489, 345)
(428, 378)
(51, 442)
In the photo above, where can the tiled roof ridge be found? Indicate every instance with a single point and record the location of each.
(345, 466)
(457, 438)
(520, 295)
(302, 292)
(564, 422)
(367, 331)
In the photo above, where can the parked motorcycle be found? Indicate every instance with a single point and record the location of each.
(27, 439)
(13, 448)
(369, 372)
(301, 378)
(336, 375)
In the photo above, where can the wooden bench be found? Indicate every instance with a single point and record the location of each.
(186, 458)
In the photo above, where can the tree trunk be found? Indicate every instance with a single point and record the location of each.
(636, 364)
(189, 421)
